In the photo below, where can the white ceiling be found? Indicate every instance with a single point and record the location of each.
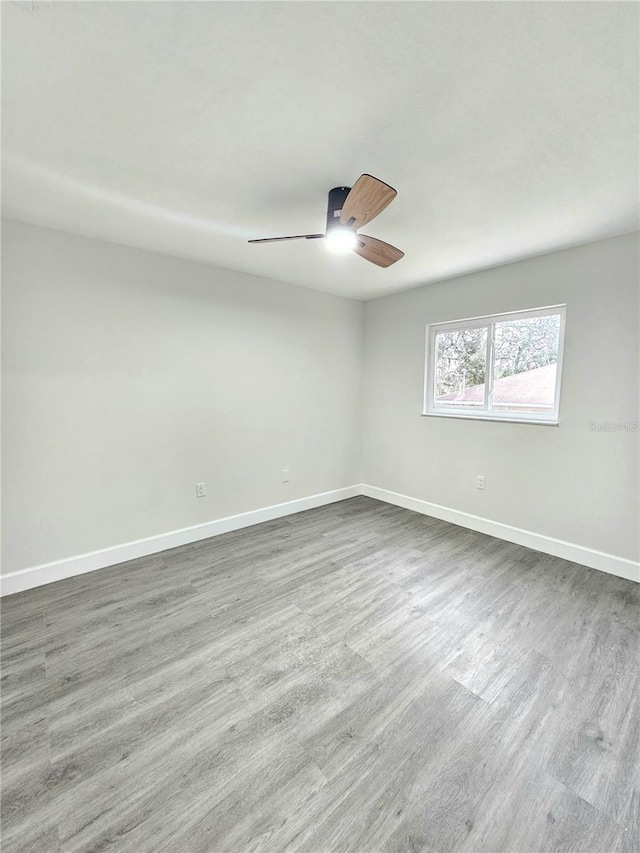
(508, 129)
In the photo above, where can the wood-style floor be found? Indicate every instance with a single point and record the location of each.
(354, 678)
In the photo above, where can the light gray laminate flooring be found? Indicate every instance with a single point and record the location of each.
(356, 678)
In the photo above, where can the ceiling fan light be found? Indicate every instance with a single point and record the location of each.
(340, 240)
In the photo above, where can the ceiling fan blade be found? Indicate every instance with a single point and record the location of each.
(368, 198)
(377, 251)
(296, 237)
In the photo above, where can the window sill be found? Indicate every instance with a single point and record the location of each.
(489, 418)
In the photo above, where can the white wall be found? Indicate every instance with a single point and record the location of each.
(566, 482)
(130, 376)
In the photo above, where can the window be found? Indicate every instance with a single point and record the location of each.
(504, 367)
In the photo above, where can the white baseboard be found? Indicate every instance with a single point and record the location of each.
(61, 569)
(51, 572)
(609, 563)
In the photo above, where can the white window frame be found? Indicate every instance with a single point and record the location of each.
(484, 412)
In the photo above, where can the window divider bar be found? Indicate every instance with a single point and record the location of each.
(488, 385)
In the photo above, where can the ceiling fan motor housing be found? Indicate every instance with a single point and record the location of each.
(337, 198)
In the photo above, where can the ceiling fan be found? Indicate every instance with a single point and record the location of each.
(348, 209)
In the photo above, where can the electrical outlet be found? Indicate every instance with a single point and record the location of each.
(480, 481)
(201, 490)
(285, 475)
